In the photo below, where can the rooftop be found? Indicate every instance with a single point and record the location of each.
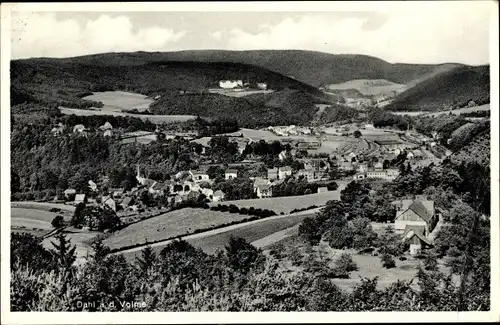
(415, 230)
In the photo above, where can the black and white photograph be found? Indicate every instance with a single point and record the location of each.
(245, 157)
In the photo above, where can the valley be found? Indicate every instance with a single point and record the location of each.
(217, 169)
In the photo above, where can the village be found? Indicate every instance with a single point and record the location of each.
(321, 155)
(236, 160)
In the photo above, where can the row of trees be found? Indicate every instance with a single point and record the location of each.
(238, 278)
(299, 186)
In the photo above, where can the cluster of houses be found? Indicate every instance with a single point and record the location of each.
(290, 130)
(378, 172)
(238, 84)
(80, 129)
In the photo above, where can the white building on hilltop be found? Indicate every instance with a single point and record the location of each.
(230, 84)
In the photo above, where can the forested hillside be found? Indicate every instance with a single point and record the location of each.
(64, 82)
(311, 67)
(279, 108)
(453, 88)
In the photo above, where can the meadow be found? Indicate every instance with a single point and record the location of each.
(370, 87)
(284, 204)
(43, 206)
(121, 100)
(35, 217)
(170, 224)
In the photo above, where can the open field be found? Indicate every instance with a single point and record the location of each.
(43, 206)
(28, 223)
(32, 214)
(284, 204)
(370, 87)
(121, 100)
(485, 107)
(37, 233)
(158, 119)
(35, 218)
(170, 224)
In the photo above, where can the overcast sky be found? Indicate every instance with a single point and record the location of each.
(451, 31)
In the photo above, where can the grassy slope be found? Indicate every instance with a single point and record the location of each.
(251, 232)
(170, 224)
(366, 88)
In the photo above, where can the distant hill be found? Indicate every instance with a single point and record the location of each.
(65, 81)
(311, 67)
(451, 88)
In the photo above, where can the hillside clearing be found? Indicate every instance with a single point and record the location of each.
(30, 224)
(370, 87)
(43, 206)
(32, 214)
(121, 99)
